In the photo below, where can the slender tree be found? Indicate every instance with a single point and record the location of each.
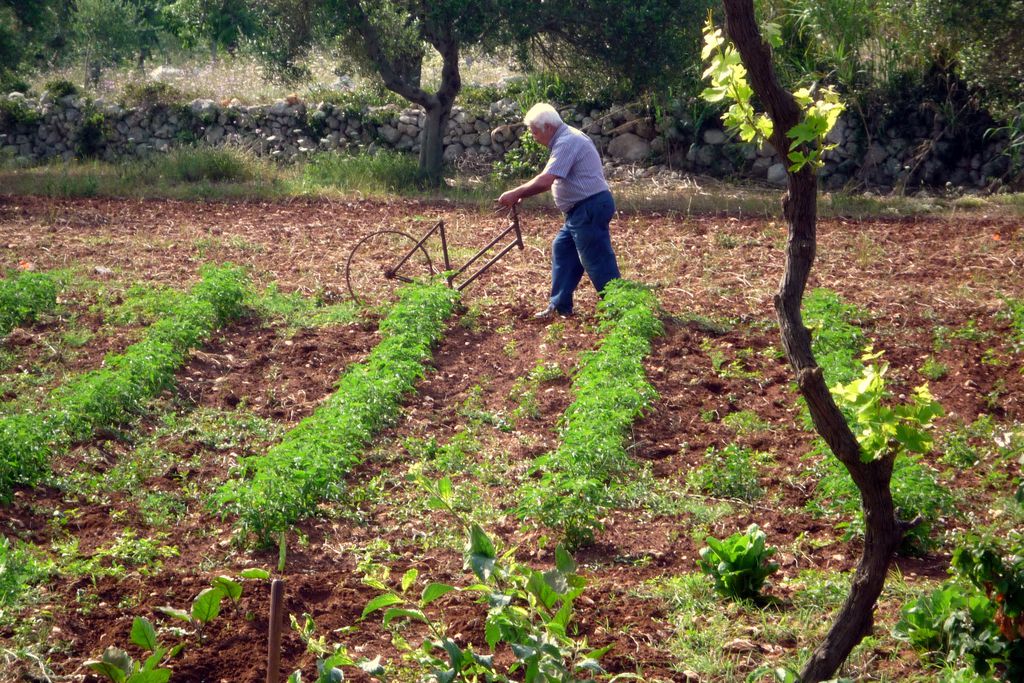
(792, 132)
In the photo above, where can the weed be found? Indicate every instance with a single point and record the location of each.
(745, 422)
(297, 311)
(381, 173)
(933, 369)
(729, 473)
(837, 341)
(23, 296)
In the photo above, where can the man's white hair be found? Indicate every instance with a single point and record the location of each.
(542, 114)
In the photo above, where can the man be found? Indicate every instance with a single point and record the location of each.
(576, 179)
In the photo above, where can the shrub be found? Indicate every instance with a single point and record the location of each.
(523, 161)
(60, 88)
(739, 564)
(149, 94)
(23, 296)
(977, 617)
(91, 133)
(17, 113)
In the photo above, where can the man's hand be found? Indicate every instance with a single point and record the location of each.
(509, 198)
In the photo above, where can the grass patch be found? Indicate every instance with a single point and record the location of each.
(23, 296)
(378, 174)
(293, 310)
(729, 473)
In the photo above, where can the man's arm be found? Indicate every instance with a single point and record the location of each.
(540, 183)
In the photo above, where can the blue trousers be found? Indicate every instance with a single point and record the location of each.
(583, 245)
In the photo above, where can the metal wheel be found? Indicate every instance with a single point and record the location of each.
(373, 271)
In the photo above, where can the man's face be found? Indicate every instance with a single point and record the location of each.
(543, 134)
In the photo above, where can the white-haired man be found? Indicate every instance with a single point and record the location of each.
(576, 179)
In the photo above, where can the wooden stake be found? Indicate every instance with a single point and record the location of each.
(274, 639)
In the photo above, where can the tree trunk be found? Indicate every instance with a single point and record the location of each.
(432, 142)
(883, 532)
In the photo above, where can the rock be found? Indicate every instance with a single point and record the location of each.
(203, 107)
(629, 147)
(389, 133)
(714, 136)
(777, 174)
(453, 151)
(166, 73)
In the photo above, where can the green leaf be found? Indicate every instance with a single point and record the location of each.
(255, 573)
(372, 666)
(143, 634)
(175, 612)
(433, 591)
(481, 553)
(409, 578)
(107, 669)
(396, 613)
(206, 606)
(564, 561)
(231, 588)
(154, 659)
(152, 676)
(380, 602)
(454, 653)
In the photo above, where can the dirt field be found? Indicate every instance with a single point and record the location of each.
(714, 276)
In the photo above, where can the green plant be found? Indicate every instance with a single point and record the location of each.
(977, 617)
(291, 481)
(23, 296)
(17, 113)
(528, 610)
(728, 473)
(381, 173)
(821, 107)
(933, 369)
(91, 134)
(524, 160)
(118, 666)
(739, 564)
(60, 88)
(611, 390)
(151, 94)
(19, 568)
(206, 605)
(836, 338)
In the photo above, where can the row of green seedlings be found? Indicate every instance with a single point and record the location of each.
(577, 486)
(118, 666)
(306, 469)
(23, 296)
(857, 379)
(110, 395)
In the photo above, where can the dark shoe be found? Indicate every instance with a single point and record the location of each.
(549, 313)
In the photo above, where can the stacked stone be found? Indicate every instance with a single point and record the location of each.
(918, 152)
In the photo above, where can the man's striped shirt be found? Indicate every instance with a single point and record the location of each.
(576, 165)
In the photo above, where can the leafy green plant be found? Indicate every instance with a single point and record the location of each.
(528, 610)
(23, 296)
(977, 617)
(291, 481)
(60, 88)
(836, 338)
(118, 666)
(206, 606)
(611, 390)
(522, 161)
(17, 113)
(19, 568)
(821, 106)
(739, 564)
(933, 369)
(728, 473)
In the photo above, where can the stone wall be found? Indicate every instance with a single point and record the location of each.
(916, 152)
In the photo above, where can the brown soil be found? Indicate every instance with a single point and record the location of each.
(911, 275)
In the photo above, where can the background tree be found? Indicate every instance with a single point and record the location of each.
(26, 26)
(106, 32)
(217, 24)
